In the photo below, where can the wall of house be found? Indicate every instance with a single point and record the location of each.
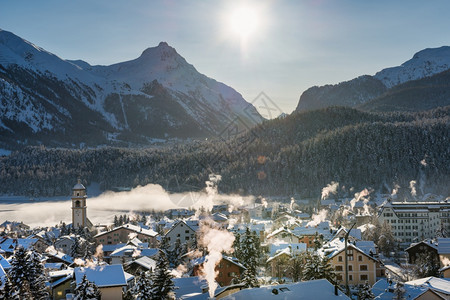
(64, 245)
(180, 231)
(59, 292)
(111, 293)
(446, 273)
(121, 235)
(361, 268)
(428, 295)
(226, 272)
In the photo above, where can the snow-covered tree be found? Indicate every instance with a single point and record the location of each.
(162, 279)
(249, 258)
(36, 276)
(27, 274)
(237, 246)
(399, 291)
(317, 267)
(296, 265)
(365, 292)
(86, 290)
(426, 265)
(386, 241)
(8, 291)
(143, 288)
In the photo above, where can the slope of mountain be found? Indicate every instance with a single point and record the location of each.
(297, 155)
(416, 95)
(158, 95)
(363, 89)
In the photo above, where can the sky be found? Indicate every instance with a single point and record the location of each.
(279, 47)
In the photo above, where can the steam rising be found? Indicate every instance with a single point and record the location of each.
(318, 218)
(412, 186)
(216, 241)
(331, 188)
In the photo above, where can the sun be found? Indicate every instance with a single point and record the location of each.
(244, 21)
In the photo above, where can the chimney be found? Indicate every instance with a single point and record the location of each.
(336, 290)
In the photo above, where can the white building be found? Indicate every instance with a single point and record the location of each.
(415, 221)
(181, 231)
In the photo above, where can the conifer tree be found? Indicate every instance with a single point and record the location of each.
(365, 292)
(162, 279)
(249, 253)
(143, 289)
(237, 246)
(86, 290)
(36, 276)
(317, 267)
(8, 291)
(19, 271)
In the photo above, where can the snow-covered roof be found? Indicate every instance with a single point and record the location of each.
(135, 228)
(368, 247)
(385, 291)
(111, 247)
(281, 230)
(314, 289)
(60, 255)
(189, 285)
(78, 186)
(441, 285)
(4, 263)
(444, 245)
(8, 244)
(296, 247)
(145, 262)
(102, 276)
(432, 244)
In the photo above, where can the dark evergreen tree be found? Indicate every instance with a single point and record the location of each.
(162, 279)
(86, 290)
(36, 276)
(296, 264)
(237, 246)
(249, 253)
(77, 248)
(116, 221)
(18, 273)
(426, 265)
(143, 288)
(365, 292)
(317, 267)
(386, 241)
(8, 291)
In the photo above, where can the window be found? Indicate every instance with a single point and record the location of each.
(364, 277)
(350, 268)
(339, 277)
(186, 231)
(339, 268)
(363, 267)
(350, 277)
(340, 258)
(186, 238)
(359, 257)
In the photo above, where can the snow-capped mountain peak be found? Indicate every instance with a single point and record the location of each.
(424, 63)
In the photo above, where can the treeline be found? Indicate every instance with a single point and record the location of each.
(296, 155)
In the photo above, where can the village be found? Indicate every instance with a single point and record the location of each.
(357, 248)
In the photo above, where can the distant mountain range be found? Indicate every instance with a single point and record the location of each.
(46, 99)
(421, 83)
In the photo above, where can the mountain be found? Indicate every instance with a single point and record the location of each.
(362, 90)
(159, 95)
(293, 156)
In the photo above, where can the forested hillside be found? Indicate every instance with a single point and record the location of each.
(296, 155)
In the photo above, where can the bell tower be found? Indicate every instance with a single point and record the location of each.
(79, 213)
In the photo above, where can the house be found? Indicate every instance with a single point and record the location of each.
(258, 229)
(280, 258)
(227, 269)
(65, 243)
(143, 264)
(180, 230)
(283, 234)
(427, 247)
(362, 266)
(444, 251)
(110, 279)
(385, 290)
(60, 283)
(320, 289)
(123, 233)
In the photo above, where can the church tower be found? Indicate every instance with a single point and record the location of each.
(79, 214)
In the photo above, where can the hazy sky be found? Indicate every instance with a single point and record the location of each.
(288, 46)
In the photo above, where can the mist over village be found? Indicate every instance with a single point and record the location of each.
(224, 150)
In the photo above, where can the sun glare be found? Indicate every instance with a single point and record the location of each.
(244, 21)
